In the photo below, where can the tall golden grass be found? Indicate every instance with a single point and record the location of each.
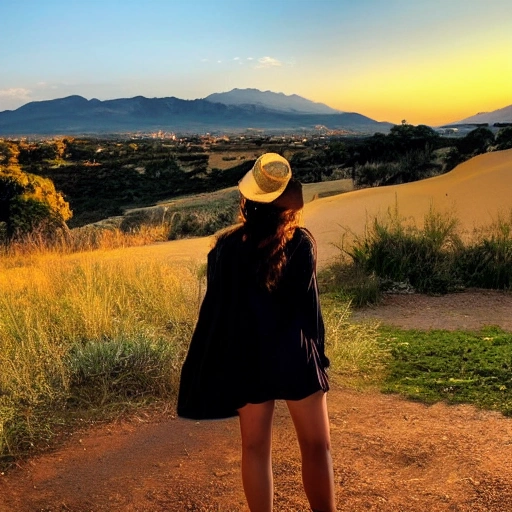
(87, 238)
(53, 306)
(87, 330)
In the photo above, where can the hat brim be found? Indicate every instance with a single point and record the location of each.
(251, 190)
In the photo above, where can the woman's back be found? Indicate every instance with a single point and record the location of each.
(269, 342)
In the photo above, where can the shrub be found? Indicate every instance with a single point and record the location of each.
(404, 253)
(350, 283)
(431, 259)
(202, 220)
(487, 261)
(504, 138)
(110, 370)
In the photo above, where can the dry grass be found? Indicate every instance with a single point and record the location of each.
(54, 309)
(356, 351)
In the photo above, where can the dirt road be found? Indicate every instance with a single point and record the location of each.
(390, 455)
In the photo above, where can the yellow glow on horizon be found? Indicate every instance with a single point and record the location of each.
(434, 91)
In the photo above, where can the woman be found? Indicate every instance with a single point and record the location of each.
(260, 336)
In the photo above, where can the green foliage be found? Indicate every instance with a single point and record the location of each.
(406, 154)
(453, 158)
(29, 215)
(28, 202)
(405, 137)
(105, 371)
(487, 261)
(376, 174)
(504, 138)
(456, 367)
(398, 252)
(349, 282)
(430, 259)
(476, 142)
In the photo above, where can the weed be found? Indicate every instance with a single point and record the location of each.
(355, 350)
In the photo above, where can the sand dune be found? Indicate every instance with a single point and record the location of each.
(475, 192)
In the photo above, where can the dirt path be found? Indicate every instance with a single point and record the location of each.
(389, 454)
(470, 310)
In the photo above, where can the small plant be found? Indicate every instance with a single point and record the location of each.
(402, 252)
(355, 350)
(487, 261)
(351, 283)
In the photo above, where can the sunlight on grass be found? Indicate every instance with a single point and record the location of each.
(355, 350)
(58, 314)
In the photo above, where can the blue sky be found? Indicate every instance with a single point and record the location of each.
(427, 61)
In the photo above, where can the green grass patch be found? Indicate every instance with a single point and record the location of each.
(451, 366)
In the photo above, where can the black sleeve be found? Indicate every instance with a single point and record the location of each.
(303, 261)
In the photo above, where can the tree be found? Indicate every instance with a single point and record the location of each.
(504, 138)
(476, 141)
(28, 202)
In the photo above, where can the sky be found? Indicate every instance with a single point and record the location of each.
(424, 61)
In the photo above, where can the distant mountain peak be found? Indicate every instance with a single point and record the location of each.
(502, 115)
(276, 101)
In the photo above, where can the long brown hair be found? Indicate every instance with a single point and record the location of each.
(268, 229)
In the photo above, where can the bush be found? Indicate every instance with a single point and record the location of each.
(504, 138)
(203, 220)
(404, 253)
(105, 371)
(375, 174)
(350, 283)
(476, 141)
(487, 262)
(431, 259)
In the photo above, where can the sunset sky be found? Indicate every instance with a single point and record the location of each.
(426, 61)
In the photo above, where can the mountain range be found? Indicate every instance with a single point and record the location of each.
(502, 115)
(234, 111)
(279, 102)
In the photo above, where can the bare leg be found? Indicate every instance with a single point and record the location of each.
(256, 430)
(312, 426)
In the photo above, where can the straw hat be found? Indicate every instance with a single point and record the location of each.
(291, 198)
(267, 180)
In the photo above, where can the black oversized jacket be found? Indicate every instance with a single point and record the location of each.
(251, 345)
